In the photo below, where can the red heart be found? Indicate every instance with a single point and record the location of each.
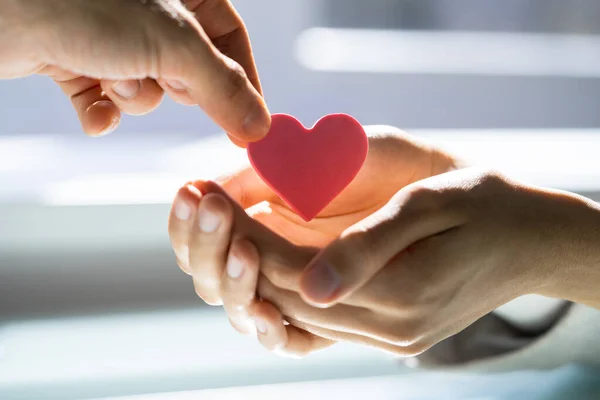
(308, 168)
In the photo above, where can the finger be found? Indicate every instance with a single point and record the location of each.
(246, 188)
(238, 287)
(217, 83)
(238, 142)
(299, 338)
(282, 261)
(97, 114)
(275, 256)
(177, 91)
(337, 336)
(365, 248)
(340, 317)
(226, 29)
(248, 315)
(180, 224)
(134, 97)
(209, 244)
(286, 340)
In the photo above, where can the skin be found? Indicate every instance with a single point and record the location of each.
(203, 255)
(121, 56)
(439, 254)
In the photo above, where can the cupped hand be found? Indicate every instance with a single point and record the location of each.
(395, 160)
(116, 56)
(440, 254)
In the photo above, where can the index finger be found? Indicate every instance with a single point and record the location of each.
(226, 30)
(194, 71)
(228, 33)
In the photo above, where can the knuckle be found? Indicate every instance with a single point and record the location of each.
(204, 263)
(421, 202)
(237, 80)
(485, 178)
(239, 300)
(479, 193)
(492, 178)
(247, 254)
(492, 175)
(421, 199)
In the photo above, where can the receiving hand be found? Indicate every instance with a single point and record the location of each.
(394, 161)
(439, 255)
(114, 56)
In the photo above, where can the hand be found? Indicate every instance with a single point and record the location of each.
(114, 56)
(442, 253)
(394, 161)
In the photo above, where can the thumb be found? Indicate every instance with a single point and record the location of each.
(364, 249)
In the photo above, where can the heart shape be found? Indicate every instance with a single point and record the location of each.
(308, 168)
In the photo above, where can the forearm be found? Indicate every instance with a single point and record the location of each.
(576, 256)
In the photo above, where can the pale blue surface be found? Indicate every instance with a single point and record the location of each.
(569, 382)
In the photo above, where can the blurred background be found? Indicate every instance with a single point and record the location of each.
(91, 301)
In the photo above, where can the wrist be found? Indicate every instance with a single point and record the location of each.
(573, 256)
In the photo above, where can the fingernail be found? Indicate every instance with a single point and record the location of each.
(111, 127)
(235, 267)
(261, 325)
(127, 89)
(114, 122)
(183, 210)
(321, 282)
(102, 103)
(176, 85)
(208, 221)
(257, 122)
